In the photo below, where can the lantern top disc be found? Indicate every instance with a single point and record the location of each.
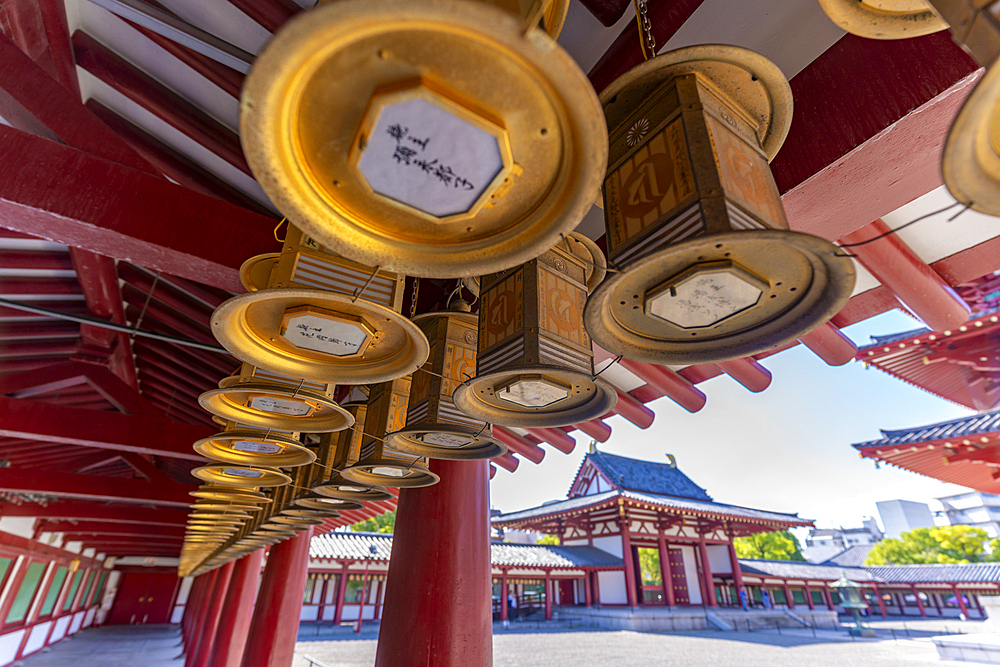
(241, 475)
(446, 441)
(319, 335)
(327, 504)
(971, 159)
(465, 158)
(255, 448)
(342, 489)
(884, 19)
(747, 79)
(265, 404)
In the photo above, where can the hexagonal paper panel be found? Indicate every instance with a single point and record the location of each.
(329, 336)
(534, 393)
(703, 299)
(424, 156)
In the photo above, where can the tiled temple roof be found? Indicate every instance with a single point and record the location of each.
(850, 557)
(790, 569)
(985, 422)
(661, 479)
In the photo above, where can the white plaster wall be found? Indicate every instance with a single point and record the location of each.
(22, 526)
(177, 614)
(718, 559)
(612, 587)
(74, 547)
(350, 612)
(691, 572)
(88, 620)
(9, 643)
(36, 640)
(575, 543)
(74, 627)
(89, 553)
(611, 544)
(328, 613)
(308, 613)
(185, 590)
(60, 630)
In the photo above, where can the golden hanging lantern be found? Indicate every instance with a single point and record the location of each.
(261, 398)
(308, 513)
(376, 461)
(229, 494)
(468, 157)
(247, 445)
(241, 476)
(884, 19)
(225, 506)
(535, 362)
(323, 318)
(326, 504)
(706, 267)
(340, 450)
(435, 427)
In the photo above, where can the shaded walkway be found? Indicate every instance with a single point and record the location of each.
(114, 646)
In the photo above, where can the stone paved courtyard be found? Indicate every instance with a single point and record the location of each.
(573, 648)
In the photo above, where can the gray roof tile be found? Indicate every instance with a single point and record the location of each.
(984, 422)
(647, 476)
(850, 557)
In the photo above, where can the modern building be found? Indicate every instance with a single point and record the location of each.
(822, 543)
(902, 516)
(977, 509)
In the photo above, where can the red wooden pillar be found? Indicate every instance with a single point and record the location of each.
(597, 589)
(198, 622)
(826, 596)
(378, 599)
(920, 604)
(549, 590)
(734, 564)
(881, 604)
(961, 602)
(503, 596)
(439, 608)
(979, 605)
(630, 592)
(275, 624)
(788, 595)
(809, 598)
(324, 583)
(586, 590)
(191, 605)
(706, 574)
(237, 611)
(668, 582)
(210, 625)
(900, 602)
(936, 599)
(364, 598)
(338, 609)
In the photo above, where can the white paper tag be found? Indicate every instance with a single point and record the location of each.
(280, 406)
(256, 447)
(446, 440)
(243, 472)
(424, 156)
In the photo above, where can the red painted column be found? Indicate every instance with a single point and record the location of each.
(198, 623)
(364, 598)
(503, 596)
(548, 595)
(191, 606)
(706, 573)
(881, 604)
(378, 599)
(788, 595)
(961, 603)
(338, 609)
(438, 597)
(668, 583)
(829, 600)
(936, 599)
(210, 624)
(275, 624)
(901, 270)
(237, 612)
(630, 592)
(734, 564)
(597, 589)
(809, 598)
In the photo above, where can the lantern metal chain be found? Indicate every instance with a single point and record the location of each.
(413, 297)
(646, 39)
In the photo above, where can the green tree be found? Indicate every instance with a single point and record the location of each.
(772, 546)
(649, 563)
(548, 539)
(941, 544)
(384, 523)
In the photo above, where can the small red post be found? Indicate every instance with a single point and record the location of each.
(549, 590)
(237, 612)
(338, 609)
(438, 598)
(707, 575)
(378, 599)
(630, 592)
(504, 614)
(829, 600)
(809, 598)
(364, 598)
(210, 624)
(668, 582)
(788, 595)
(275, 624)
(198, 626)
(191, 606)
(961, 602)
(734, 563)
(878, 596)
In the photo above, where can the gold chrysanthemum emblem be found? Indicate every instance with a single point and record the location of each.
(637, 132)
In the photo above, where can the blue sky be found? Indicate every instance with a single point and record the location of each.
(786, 449)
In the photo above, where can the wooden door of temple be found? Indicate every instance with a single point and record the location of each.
(143, 598)
(678, 579)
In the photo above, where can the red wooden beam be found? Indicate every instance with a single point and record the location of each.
(25, 418)
(830, 345)
(633, 410)
(901, 270)
(158, 99)
(668, 383)
(748, 373)
(90, 487)
(519, 445)
(73, 510)
(596, 429)
(555, 437)
(110, 528)
(74, 198)
(272, 14)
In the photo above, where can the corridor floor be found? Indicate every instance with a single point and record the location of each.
(114, 646)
